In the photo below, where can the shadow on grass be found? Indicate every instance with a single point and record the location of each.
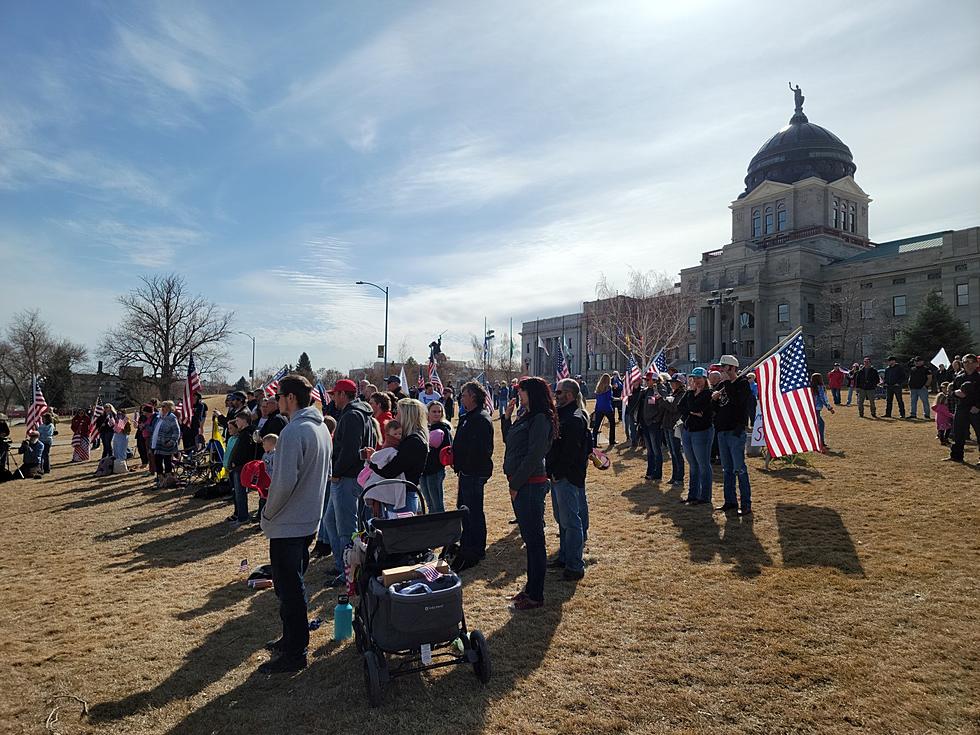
(794, 473)
(219, 599)
(699, 528)
(811, 536)
(185, 548)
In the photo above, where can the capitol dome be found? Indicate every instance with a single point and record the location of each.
(798, 151)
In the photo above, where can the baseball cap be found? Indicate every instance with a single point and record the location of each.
(345, 386)
(699, 372)
(678, 378)
(649, 375)
(728, 360)
(238, 395)
(393, 379)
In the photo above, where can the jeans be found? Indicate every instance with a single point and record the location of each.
(289, 558)
(676, 457)
(916, 395)
(850, 393)
(411, 503)
(241, 496)
(473, 543)
(835, 392)
(120, 445)
(962, 421)
(632, 433)
(731, 444)
(654, 436)
(106, 438)
(697, 449)
(597, 422)
(340, 517)
(529, 509)
(141, 449)
(565, 502)
(863, 395)
(894, 392)
(821, 426)
(432, 491)
(163, 464)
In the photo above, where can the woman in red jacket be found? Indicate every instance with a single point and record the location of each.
(80, 426)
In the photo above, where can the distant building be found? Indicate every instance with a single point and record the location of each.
(800, 255)
(114, 389)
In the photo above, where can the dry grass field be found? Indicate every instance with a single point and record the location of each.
(849, 602)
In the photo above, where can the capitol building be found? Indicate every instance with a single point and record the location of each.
(800, 255)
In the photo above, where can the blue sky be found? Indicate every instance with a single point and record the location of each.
(485, 159)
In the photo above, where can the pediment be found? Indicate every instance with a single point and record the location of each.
(765, 190)
(849, 186)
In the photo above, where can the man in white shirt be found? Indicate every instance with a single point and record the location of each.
(429, 395)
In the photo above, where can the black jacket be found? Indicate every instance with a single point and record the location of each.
(473, 445)
(867, 379)
(651, 412)
(970, 385)
(919, 377)
(696, 403)
(432, 463)
(412, 453)
(568, 458)
(244, 449)
(528, 441)
(354, 432)
(895, 375)
(735, 408)
(274, 424)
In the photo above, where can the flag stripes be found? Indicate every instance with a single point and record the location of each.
(788, 414)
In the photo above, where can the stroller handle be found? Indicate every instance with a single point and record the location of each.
(362, 522)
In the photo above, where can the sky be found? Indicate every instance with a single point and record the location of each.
(483, 160)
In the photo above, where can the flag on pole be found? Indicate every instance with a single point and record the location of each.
(97, 410)
(192, 386)
(541, 345)
(404, 380)
(488, 392)
(421, 383)
(272, 386)
(788, 415)
(659, 362)
(434, 376)
(632, 377)
(319, 393)
(561, 367)
(37, 408)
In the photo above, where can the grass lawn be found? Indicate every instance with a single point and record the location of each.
(849, 602)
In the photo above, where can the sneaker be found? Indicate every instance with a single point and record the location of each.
(462, 563)
(284, 664)
(573, 576)
(745, 512)
(321, 549)
(556, 563)
(274, 646)
(526, 603)
(727, 507)
(519, 596)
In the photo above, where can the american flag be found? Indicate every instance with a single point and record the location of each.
(788, 415)
(421, 383)
(319, 393)
(659, 363)
(561, 367)
(193, 385)
(632, 377)
(37, 408)
(272, 386)
(97, 411)
(488, 391)
(434, 376)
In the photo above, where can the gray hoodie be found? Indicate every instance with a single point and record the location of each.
(299, 477)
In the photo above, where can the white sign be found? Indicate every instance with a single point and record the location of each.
(758, 431)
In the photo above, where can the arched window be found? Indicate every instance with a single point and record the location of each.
(768, 220)
(780, 217)
(851, 219)
(836, 215)
(756, 223)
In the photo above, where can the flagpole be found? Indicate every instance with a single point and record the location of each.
(771, 352)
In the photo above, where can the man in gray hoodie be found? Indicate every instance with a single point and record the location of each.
(291, 516)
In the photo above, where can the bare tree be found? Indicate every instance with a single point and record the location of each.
(162, 326)
(28, 349)
(649, 316)
(856, 323)
(498, 362)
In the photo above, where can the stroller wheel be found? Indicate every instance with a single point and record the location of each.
(372, 678)
(482, 667)
(359, 634)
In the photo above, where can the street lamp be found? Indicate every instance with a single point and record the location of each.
(719, 299)
(251, 378)
(385, 292)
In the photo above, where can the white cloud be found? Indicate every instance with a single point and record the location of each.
(148, 246)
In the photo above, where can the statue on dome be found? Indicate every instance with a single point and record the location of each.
(798, 94)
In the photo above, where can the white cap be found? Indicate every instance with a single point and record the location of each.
(728, 360)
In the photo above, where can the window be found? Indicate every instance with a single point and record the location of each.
(934, 276)
(867, 344)
(527, 350)
(781, 220)
(960, 268)
(749, 347)
(898, 281)
(746, 320)
(768, 220)
(692, 324)
(756, 223)
(867, 309)
(692, 352)
(836, 313)
(850, 219)
(782, 313)
(867, 284)
(962, 294)
(836, 347)
(898, 306)
(836, 214)
(811, 313)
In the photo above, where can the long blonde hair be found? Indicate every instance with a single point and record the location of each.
(413, 418)
(603, 385)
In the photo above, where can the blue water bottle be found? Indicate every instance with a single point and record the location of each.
(343, 616)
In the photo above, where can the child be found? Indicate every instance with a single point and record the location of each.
(269, 442)
(944, 418)
(391, 495)
(46, 432)
(33, 451)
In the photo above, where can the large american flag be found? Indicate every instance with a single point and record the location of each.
(272, 386)
(434, 376)
(659, 363)
(788, 415)
(319, 393)
(97, 411)
(193, 385)
(631, 378)
(561, 367)
(37, 408)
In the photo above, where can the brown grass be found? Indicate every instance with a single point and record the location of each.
(848, 603)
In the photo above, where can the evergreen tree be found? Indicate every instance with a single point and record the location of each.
(305, 368)
(242, 384)
(933, 326)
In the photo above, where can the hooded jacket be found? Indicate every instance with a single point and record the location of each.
(299, 477)
(354, 432)
(568, 457)
(473, 445)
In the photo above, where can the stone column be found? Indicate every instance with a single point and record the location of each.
(717, 334)
(737, 318)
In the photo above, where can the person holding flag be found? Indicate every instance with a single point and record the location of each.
(734, 411)
(80, 428)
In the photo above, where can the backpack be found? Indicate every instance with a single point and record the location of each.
(106, 466)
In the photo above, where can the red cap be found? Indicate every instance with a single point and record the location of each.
(345, 386)
(649, 375)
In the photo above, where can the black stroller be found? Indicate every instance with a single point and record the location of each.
(417, 623)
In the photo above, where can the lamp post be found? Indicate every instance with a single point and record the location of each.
(719, 299)
(385, 292)
(251, 378)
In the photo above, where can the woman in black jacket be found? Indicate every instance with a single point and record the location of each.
(434, 474)
(528, 441)
(412, 451)
(695, 410)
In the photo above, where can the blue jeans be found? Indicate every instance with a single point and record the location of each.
(920, 394)
(850, 394)
(632, 435)
(241, 496)
(46, 457)
(565, 502)
(411, 503)
(289, 558)
(835, 392)
(654, 436)
(821, 427)
(697, 449)
(340, 517)
(731, 444)
(473, 543)
(529, 509)
(676, 458)
(432, 492)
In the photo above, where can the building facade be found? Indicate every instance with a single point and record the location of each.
(800, 255)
